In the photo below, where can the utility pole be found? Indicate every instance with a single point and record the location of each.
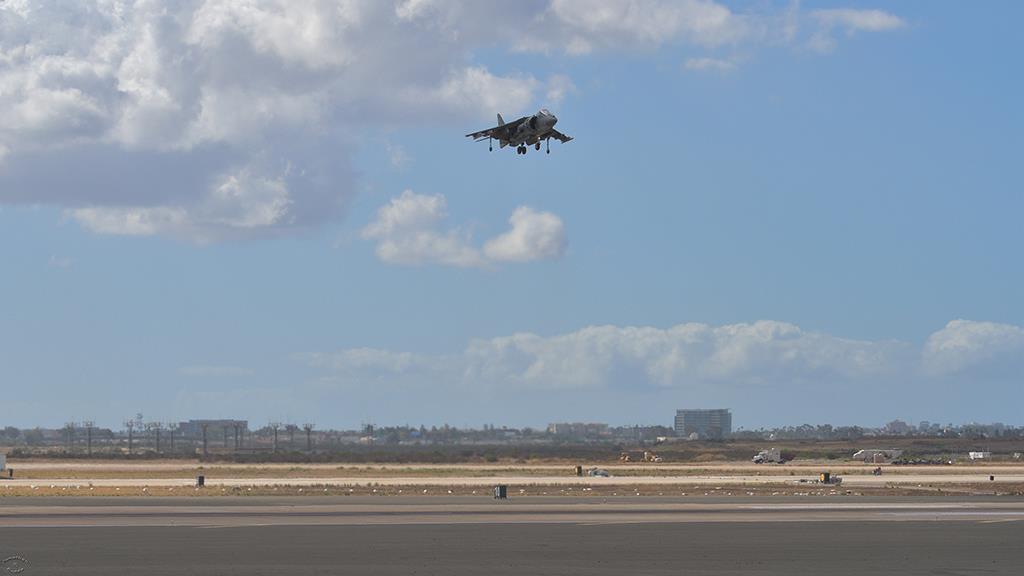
(291, 436)
(275, 426)
(69, 429)
(238, 429)
(154, 429)
(171, 427)
(88, 436)
(308, 427)
(204, 426)
(130, 425)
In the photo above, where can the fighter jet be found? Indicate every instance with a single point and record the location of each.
(526, 131)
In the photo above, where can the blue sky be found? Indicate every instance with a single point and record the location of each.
(790, 209)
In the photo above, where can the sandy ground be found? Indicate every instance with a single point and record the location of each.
(798, 467)
(696, 480)
(35, 477)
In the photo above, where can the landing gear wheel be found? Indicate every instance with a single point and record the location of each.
(536, 146)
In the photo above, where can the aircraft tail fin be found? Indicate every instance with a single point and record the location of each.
(501, 121)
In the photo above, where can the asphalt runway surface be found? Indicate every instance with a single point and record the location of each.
(292, 536)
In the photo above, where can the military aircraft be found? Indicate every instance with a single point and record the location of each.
(526, 131)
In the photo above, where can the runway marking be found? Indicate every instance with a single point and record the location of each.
(1019, 514)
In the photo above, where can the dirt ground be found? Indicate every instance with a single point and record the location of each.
(177, 477)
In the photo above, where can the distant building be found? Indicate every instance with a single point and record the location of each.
(714, 423)
(897, 428)
(579, 429)
(214, 428)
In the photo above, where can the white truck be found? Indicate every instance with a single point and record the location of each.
(771, 455)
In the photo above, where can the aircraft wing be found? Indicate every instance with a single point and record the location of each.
(498, 132)
(559, 136)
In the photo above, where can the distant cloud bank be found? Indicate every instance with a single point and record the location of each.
(764, 354)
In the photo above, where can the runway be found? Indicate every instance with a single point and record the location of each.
(291, 536)
(364, 511)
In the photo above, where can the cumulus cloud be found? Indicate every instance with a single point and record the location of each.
(407, 232)
(214, 119)
(976, 348)
(764, 353)
(758, 354)
(534, 236)
(409, 229)
(764, 359)
(219, 118)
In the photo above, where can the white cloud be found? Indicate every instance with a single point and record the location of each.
(409, 230)
(151, 108)
(238, 202)
(559, 85)
(853, 20)
(772, 357)
(614, 23)
(738, 356)
(131, 221)
(850, 21)
(717, 64)
(965, 346)
(478, 91)
(763, 353)
(769, 372)
(534, 236)
(221, 118)
(406, 231)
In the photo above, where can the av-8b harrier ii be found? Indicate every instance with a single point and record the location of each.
(526, 131)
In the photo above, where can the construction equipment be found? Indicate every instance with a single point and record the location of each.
(828, 478)
(651, 457)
